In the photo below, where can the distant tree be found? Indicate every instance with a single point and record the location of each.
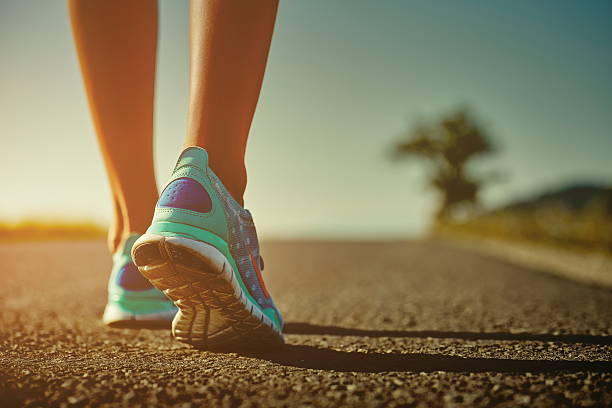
(449, 144)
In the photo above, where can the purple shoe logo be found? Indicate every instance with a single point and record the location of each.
(187, 194)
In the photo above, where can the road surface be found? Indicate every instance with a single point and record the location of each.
(368, 324)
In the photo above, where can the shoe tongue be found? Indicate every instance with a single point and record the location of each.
(193, 156)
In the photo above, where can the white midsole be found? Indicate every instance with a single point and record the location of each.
(113, 314)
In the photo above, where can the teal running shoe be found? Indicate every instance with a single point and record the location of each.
(202, 251)
(132, 301)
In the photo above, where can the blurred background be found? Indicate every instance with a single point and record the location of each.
(377, 120)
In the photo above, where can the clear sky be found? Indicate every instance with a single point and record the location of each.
(344, 79)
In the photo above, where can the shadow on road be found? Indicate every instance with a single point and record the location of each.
(307, 328)
(325, 359)
(302, 356)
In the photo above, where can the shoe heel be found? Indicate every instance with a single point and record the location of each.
(214, 311)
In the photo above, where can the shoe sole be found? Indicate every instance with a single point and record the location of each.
(214, 312)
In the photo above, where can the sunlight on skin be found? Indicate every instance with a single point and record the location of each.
(116, 43)
(229, 48)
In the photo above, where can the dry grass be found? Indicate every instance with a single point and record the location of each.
(42, 230)
(587, 230)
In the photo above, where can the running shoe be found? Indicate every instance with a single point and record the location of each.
(132, 301)
(202, 251)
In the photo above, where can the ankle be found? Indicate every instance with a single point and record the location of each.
(234, 187)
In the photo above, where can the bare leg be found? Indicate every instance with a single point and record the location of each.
(229, 49)
(116, 42)
(115, 230)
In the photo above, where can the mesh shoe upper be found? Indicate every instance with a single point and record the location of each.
(244, 245)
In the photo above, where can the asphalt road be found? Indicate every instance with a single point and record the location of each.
(368, 324)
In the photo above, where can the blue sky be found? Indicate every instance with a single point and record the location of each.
(344, 80)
